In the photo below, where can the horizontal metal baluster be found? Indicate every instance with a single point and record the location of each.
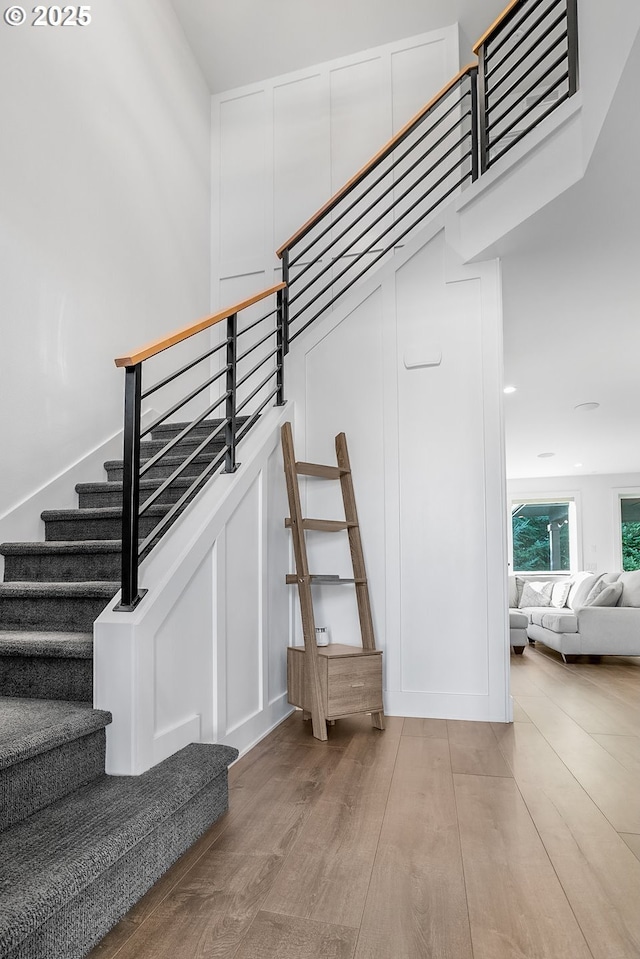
(536, 63)
(184, 369)
(504, 35)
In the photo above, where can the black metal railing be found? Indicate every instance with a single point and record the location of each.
(379, 209)
(168, 461)
(527, 67)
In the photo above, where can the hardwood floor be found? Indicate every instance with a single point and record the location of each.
(432, 840)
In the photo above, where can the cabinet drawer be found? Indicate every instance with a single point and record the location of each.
(354, 685)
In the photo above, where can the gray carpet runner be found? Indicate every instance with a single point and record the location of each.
(77, 847)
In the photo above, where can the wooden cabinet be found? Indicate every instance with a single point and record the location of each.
(350, 679)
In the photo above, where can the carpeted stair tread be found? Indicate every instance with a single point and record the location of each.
(52, 547)
(58, 645)
(113, 490)
(61, 560)
(54, 863)
(29, 727)
(66, 590)
(99, 512)
(170, 459)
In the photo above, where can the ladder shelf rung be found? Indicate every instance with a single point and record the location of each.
(319, 580)
(323, 472)
(323, 525)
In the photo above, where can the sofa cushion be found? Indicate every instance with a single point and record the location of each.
(607, 596)
(518, 619)
(560, 621)
(630, 588)
(536, 594)
(513, 591)
(535, 614)
(560, 594)
(583, 583)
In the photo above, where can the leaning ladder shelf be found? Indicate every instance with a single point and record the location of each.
(332, 681)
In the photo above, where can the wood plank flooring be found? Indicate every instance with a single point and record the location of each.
(433, 839)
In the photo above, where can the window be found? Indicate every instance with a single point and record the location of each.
(630, 531)
(542, 536)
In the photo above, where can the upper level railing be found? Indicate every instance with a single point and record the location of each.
(427, 162)
(527, 66)
(167, 461)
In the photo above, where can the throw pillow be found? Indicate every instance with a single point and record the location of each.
(594, 592)
(536, 594)
(608, 596)
(559, 594)
(582, 585)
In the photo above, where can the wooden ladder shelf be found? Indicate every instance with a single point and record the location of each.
(330, 682)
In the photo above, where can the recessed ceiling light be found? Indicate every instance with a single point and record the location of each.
(544, 456)
(510, 389)
(577, 465)
(586, 407)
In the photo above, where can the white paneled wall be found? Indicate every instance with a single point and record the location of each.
(281, 148)
(203, 657)
(409, 367)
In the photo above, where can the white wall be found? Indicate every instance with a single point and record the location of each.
(203, 656)
(282, 147)
(426, 453)
(597, 511)
(104, 224)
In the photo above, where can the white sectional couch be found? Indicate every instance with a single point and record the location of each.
(585, 624)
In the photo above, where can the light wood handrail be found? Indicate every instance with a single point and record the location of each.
(158, 346)
(496, 23)
(387, 148)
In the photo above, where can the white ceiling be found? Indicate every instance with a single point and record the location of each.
(571, 272)
(243, 41)
(571, 294)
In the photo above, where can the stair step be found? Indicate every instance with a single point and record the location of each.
(71, 871)
(47, 750)
(181, 450)
(166, 431)
(46, 665)
(104, 523)
(164, 468)
(99, 495)
(72, 561)
(54, 607)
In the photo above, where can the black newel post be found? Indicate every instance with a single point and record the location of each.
(131, 488)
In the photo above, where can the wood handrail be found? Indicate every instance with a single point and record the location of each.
(496, 23)
(178, 336)
(380, 155)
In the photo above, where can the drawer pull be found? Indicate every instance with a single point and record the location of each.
(356, 685)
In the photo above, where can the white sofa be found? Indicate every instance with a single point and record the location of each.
(581, 626)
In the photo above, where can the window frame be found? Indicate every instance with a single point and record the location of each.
(572, 499)
(624, 492)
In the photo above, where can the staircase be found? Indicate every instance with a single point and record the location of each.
(77, 847)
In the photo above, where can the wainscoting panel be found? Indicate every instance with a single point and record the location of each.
(283, 146)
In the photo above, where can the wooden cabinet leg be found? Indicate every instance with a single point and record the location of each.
(377, 720)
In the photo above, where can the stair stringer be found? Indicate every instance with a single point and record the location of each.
(410, 367)
(202, 658)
